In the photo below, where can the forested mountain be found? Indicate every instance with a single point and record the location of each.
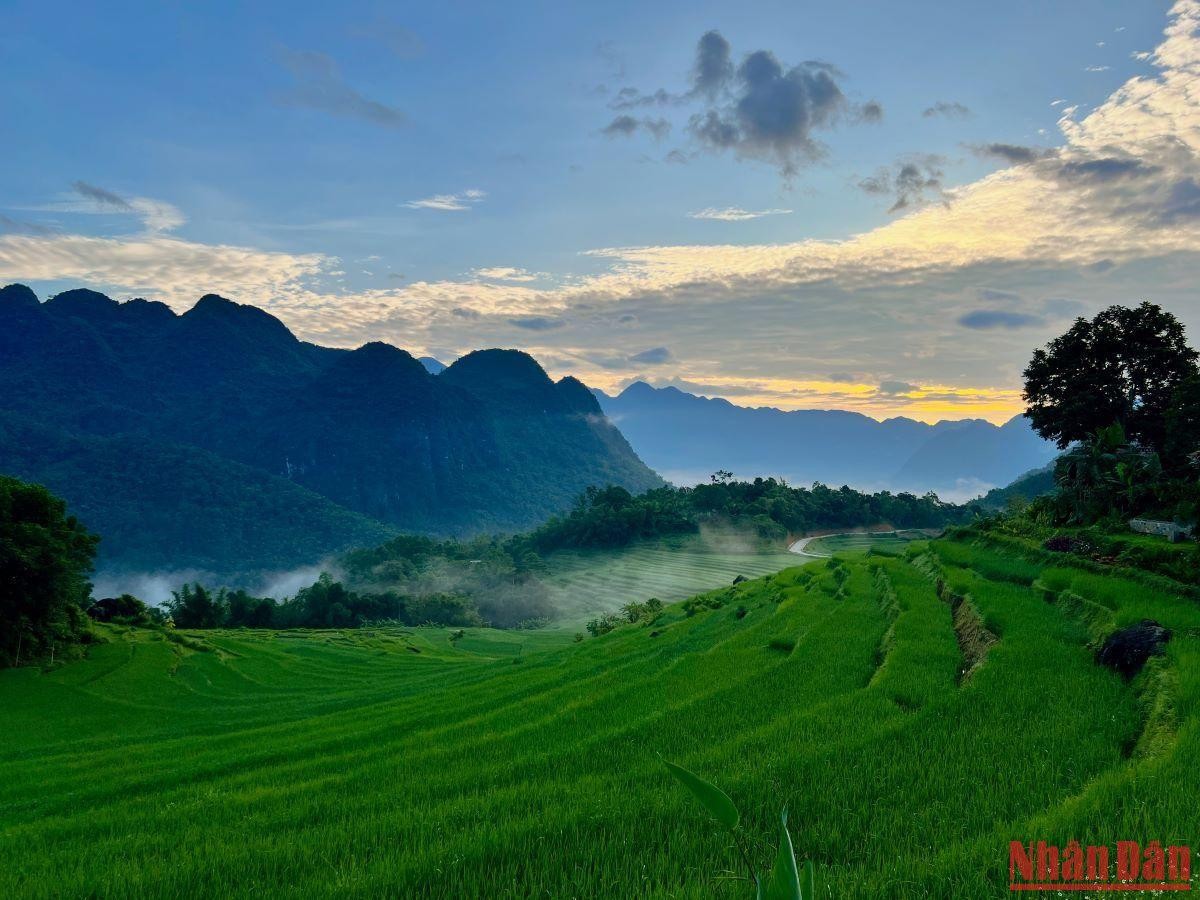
(243, 430)
(686, 437)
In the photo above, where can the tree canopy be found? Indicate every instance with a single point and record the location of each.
(1124, 366)
(45, 559)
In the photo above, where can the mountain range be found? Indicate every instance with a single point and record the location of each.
(686, 438)
(216, 439)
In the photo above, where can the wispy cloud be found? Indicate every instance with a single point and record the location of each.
(947, 109)
(449, 202)
(319, 85)
(508, 273)
(735, 213)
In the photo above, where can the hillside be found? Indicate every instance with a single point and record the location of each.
(182, 506)
(489, 444)
(401, 761)
(686, 438)
(1032, 484)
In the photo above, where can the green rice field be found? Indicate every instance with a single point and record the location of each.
(910, 744)
(584, 583)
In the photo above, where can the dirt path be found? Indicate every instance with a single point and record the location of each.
(800, 547)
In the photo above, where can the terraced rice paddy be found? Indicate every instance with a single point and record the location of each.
(310, 764)
(586, 583)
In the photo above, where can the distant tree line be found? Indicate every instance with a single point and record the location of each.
(325, 604)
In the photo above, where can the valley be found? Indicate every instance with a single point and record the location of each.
(505, 764)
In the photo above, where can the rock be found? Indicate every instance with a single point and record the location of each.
(740, 579)
(1127, 650)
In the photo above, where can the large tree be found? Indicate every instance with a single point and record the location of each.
(45, 559)
(1123, 367)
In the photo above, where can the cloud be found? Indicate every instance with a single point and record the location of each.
(1097, 68)
(1107, 168)
(713, 69)
(156, 266)
(22, 227)
(653, 357)
(632, 98)
(1013, 154)
(897, 387)
(948, 109)
(992, 295)
(156, 215)
(843, 378)
(908, 181)
(537, 323)
(735, 214)
(100, 196)
(871, 111)
(627, 126)
(449, 202)
(984, 319)
(319, 85)
(508, 273)
(773, 113)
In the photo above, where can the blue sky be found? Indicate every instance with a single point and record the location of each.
(442, 176)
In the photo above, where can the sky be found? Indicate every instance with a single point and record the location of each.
(874, 206)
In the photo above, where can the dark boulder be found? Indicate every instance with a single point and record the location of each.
(740, 579)
(1127, 650)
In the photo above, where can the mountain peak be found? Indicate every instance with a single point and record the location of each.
(17, 295)
(432, 366)
(83, 303)
(213, 308)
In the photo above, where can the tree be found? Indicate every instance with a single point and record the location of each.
(1123, 366)
(194, 606)
(45, 558)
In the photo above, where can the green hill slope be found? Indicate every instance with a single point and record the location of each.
(909, 749)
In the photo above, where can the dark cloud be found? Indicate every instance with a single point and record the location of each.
(758, 109)
(714, 67)
(319, 85)
(897, 387)
(676, 157)
(842, 377)
(1182, 202)
(773, 113)
(653, 357)
(909, 181)
(1105, 169)
(949, 109)
(537, 323)
(464, 312)
(627, 318)
(632, 98)
(100, 196)
(985, 319)
(995, 296)
(626, 126)
(1013, 154)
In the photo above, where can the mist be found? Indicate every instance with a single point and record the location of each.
(154, 588)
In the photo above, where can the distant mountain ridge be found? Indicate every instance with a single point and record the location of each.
(366, 440)
(686, 437)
